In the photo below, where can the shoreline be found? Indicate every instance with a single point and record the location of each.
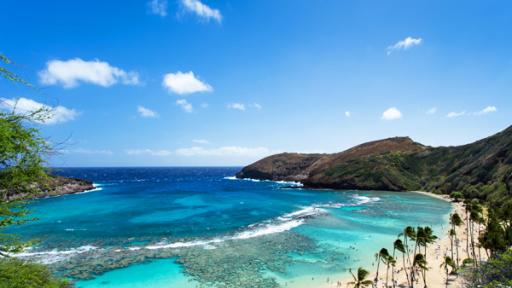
(436, 275)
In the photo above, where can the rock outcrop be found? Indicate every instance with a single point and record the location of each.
(399, 164)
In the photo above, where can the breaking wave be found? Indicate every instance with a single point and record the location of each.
(289, 183)
(97, 187)
(280, 224)
(52, 256)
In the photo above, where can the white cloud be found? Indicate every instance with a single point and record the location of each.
(455, 114)
(158, 7)
(348, 114)
(257, 106)
(202, 10)
(71, 72)
(223, 151)
(53, 115)
(150, 152)
(87, 151)
(187, 107)
(236, 106)
(201, 141)
(487, 110)
(432, 111)
(392, 114)
(184, 83)
(146, 112)
(404, 44)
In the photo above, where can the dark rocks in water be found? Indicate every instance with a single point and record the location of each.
(62, 185)
(479, 169)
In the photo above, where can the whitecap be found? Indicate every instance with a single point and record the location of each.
(281, 182)
(52, 256)
(97, 187)
(365, 199)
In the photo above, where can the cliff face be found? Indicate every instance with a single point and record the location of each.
(398, 164)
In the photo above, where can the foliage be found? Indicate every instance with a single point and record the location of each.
(497, 272)
(360, 280)
(21, 167)
(22, 172)
(20, 274)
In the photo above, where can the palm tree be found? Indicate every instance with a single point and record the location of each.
(381, 256)
(409, 233)
(360, 281)
(451, 234)
(456, 221)
(429, 237)
(392, 262)
(448, 262)
(399, 245)
(474, 216)
(467, 206)
(421, 263)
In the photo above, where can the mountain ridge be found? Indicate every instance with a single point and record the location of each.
(479, 169)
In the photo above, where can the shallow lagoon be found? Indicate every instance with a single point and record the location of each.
(199, 227)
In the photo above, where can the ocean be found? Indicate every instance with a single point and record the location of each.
(201, 227)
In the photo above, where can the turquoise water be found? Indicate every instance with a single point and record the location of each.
(200, 227)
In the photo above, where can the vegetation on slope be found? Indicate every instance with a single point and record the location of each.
(479, 170)
(21, 173)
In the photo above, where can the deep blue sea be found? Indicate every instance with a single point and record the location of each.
(201, 227)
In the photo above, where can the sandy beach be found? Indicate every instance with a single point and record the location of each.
(436, 275)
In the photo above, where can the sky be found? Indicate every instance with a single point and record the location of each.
(224, 83)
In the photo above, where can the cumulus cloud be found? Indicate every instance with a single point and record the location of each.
(224, 151)
(158, 7)
(184, 83)
(71, 72)
(391, 114)
(257, 106)
(487, 110)
(202, 10)
(404, 44)
(236, 106)
(348, 114)
(432, 111)
(187, 107)
(53, 115)
(150, 152)
(87, 151)
(146, 112)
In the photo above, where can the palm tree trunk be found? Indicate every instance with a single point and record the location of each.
(376, 280)
(479, 248)
(446, 269)
(387, 273)
(457, 249)
(405, 270)
(473, 244)
(467, 234)
(425, 277)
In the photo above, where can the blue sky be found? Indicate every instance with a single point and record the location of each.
(209, 82)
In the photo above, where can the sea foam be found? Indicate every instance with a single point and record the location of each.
(52, 256)
(289, 183)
